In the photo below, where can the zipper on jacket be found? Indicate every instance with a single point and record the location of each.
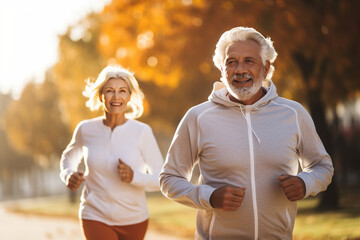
(252, 174)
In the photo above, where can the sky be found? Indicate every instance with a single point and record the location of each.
(28, 37)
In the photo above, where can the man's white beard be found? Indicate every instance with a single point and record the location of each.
(244, 93)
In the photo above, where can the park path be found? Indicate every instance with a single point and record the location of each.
(16, 226)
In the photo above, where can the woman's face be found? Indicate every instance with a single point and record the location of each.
(115, 95)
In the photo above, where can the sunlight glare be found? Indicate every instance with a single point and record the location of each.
(29, 37)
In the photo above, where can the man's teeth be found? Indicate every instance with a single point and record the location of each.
(245, 80)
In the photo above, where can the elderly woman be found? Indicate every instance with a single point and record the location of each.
(121, 156)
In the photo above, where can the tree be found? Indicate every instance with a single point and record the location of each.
(169, 44)
(322, 46)
(33, 123)
(79, 60)
(10, 160)
(12, 163)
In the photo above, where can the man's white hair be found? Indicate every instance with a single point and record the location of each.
(237, 34)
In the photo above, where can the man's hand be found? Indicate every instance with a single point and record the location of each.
(75, 180)
(227, 198)
(293, 186)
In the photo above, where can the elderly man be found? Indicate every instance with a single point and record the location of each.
(249, 144)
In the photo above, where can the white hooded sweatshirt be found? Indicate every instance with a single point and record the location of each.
(245, 146)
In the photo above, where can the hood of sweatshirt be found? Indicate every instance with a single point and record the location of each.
(220, 95)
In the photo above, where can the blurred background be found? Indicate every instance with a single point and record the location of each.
(49, 48)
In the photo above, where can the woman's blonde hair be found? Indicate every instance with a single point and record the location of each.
(93, 90)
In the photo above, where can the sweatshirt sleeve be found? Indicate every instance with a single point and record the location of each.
(71, 156)
(316, 164)
(153, 160)
(177, 171)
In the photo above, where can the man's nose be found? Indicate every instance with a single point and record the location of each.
(240, 68)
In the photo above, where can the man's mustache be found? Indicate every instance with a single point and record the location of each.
(242, 76)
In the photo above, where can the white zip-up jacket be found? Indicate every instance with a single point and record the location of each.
(245, 146)
(105, 197)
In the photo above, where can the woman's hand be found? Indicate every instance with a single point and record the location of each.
(125, 172)
(75, 180)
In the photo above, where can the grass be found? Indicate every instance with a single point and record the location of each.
(58, 206)
(170, 217)
(341, 224)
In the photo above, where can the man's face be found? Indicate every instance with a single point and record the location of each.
(244, 71)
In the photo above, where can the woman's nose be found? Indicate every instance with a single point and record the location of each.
(116, 94)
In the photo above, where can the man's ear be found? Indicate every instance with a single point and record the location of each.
(266, 68)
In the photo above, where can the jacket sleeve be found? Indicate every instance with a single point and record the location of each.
(177, 171)
(316, 164)
(153, 160)
(71, 156)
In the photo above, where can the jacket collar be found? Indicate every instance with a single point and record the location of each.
(220, 95)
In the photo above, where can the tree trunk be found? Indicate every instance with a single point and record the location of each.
(329, 199)
(313, 76)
